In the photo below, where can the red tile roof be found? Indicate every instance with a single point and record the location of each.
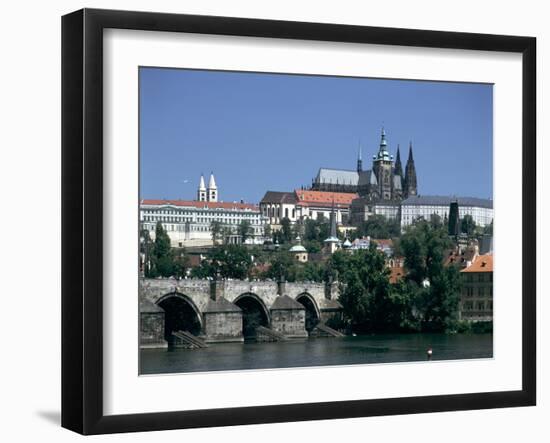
(201, 205)
(483, 263)
(322, 198)
(396, 273)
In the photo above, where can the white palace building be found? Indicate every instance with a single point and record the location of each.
(189, 222)
(418, 206)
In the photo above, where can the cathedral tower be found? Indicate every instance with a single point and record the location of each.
(383, 169)
(212, 189)
(410, 175)
(201, 192)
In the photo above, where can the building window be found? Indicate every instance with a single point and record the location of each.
(481, 292)
(480, 277)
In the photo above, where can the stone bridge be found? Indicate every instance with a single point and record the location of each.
(232, 310)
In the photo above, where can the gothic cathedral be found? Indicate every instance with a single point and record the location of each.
(385, 181)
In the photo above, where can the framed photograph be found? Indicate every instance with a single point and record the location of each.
(269, 221)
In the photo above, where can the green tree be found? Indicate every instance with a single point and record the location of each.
(145, 248)
(162, 258)
(355, 303)
(245, 230)
(181, 263)
(226, 233)
(468, 225)
(488, 229)
(309, 271)
(313, 246)
(379, 227)
(227, 261)
(424, 246)
(278, 237)
(369, 301)
(267, 231)
(216, 231)
(432, 288)
(282, 264)
(286, 230)
(315, 232)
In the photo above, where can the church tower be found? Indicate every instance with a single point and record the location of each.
(212, 190)
(332, 242)
(410, 175)
(383, 169)
(201, 192)
(359, 160)
(398, 169)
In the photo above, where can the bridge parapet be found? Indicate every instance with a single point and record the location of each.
(200, 290)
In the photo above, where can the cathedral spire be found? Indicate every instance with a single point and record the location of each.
(398, 170)
(359, 158)
(410, 175)
(410, 159)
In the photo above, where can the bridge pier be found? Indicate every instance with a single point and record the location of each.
(288, 317)
(151, 325)
(223, 322)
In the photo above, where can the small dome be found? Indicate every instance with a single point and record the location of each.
(347, 243)
(298, 248)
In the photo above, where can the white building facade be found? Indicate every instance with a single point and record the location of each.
(305, 204)
(189, 222)
(417, 207)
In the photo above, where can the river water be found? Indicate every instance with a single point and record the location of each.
(317, 352)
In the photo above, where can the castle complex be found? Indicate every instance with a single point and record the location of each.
(385, 181)
(348, 196)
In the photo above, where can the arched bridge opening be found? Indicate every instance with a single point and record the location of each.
(181, 314)
(313, 315)
(255, 314)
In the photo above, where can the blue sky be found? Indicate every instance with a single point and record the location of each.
(260, 132)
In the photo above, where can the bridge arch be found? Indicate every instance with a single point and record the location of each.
(255, 313)
(181, 314)
(313, 314)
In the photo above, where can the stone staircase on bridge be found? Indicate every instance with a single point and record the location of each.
(264, 334)
(184, 339)
(322, 330)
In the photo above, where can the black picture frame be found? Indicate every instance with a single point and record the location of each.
(82, 215)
